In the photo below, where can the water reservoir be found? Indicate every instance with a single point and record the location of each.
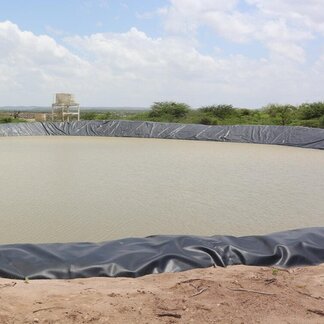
(67, 189)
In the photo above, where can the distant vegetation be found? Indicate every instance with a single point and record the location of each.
(7, 120)
(307, 114)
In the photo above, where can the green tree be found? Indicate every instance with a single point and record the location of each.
(281, 112)
(208, 121)
(171, 108)
(6, 120)
(310, 123)
(220, 111)
(311, 110)
(245, 112)
(104, 116)
(88, 115)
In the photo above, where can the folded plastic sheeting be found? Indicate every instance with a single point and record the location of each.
(136, 257)
(282, 135)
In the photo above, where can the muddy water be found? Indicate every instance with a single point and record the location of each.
(59, 189)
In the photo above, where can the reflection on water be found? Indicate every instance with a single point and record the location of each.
(59, 189)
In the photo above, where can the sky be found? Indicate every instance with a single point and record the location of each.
(131, 53)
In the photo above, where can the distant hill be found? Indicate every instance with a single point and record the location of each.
(97, 109)
(24, 108)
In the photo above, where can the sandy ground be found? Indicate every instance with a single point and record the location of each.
(237, 294)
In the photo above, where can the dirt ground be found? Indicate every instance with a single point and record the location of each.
(237, 294)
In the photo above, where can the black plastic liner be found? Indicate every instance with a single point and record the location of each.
(281, 135)
(134, 257)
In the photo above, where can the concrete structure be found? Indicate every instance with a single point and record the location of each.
(65, 108)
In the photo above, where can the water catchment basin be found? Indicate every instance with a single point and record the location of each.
(66, 189)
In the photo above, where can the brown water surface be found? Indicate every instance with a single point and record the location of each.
(60, 189)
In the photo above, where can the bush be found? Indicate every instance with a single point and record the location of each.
(245, 112)
(310, 123)
(104, 116)
(281, 112)
(208, 121)
(321, 122)
(171, 108)
(89, 115)
(312, 110)
(220, 111)
(6, 120)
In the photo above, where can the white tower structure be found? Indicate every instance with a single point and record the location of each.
(65, 108)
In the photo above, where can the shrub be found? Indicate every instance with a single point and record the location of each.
(310, 123)
(171, 108)
(6, 120)
(312, 110)
(104, 116)
(220, 111)
(208, 121)
(89, 115)
(245, 112)
(282, 112)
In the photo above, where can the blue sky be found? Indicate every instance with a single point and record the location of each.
(81, 17)
(131, 53)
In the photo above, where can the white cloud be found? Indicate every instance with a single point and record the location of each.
(233, 26)
(32, 65)
(307, 15)
(187, 15)
(133, 69)
(284, 27)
